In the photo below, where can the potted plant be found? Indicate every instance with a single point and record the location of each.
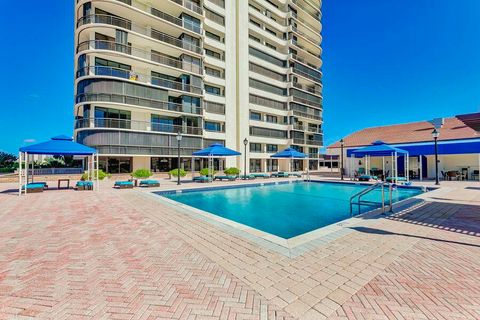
(207, 172)
(101, 175)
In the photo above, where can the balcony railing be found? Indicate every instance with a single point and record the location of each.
(163, 37)
(136, 125)
(298, 141)
(127, 74)
(143, 102)
(105, 19)
(306, 101)
(306, 75)
(307, 115)
(268, 102)
(189, 5)
(314, 142)
(214, 107)
(306, 88)
(139, 53)
(179, 22)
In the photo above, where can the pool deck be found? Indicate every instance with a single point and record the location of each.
(121, 254)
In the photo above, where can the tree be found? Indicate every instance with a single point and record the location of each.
(7, 160)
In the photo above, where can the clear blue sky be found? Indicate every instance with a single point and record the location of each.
(384, 62)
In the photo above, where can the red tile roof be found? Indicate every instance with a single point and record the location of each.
(453, 129)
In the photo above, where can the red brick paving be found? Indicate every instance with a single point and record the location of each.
(119, 255)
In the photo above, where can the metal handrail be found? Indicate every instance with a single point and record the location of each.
(360, 194)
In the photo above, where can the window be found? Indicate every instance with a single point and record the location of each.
(213, 54)
(255, 147)
(213, 126)
(213, 90)
(254, 38)
(270, 46)
(255, 116)
(271, 32)
(255, 23)
(272, 119)
(267, 87)
(112, 118)
(272, 165)
(108, 63)
(255, 165)
(264, 56)
(272, 148)
(163, 124)
(213, 36)
(213, 72)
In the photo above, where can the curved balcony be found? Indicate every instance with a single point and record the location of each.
(126, 24)
(135, 125)
(189, 5)
(127, 74)
(143, 102)
(139, 53)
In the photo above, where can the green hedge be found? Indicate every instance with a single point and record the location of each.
(232, 171)
(101, 175)
(207, 172)
(142, 173)
(175, 172)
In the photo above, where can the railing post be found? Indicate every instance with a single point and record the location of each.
(383, 199)
(391, 202)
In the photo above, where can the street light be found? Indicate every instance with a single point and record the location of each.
(435, 135)
(179, 138)
(342, 143)
(245, 143)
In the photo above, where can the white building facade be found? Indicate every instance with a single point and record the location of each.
(215, 71)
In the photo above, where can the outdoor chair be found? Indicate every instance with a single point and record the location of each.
(227, 177)
(34, 187)
(475, 175)
(280, 174)
(453, 175)
(149, 183)
(123, 185)
(444, 175)
(202, 179)
(261, 175)
(84, 185)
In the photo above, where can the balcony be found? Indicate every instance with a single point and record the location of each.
(214, 107)
(313, 142)
(130, 75)
(163, 37)
(139, 53)
(310, 89)
(189, 5)
(136, 125)
(261, 101)
(143, 102)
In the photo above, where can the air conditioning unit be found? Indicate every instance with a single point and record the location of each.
(437, 123)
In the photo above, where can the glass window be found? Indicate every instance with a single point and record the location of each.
(272, 119)
(213, 36)
(213, 126)
(255, 165)
(255, 147)
(255, 116)
(272, 148)
(272, 165)
(213, 90)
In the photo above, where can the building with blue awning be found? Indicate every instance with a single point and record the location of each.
(458, 148)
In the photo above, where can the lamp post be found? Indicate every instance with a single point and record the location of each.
(342, 143)
(435, 135)
(245, 143)
(179, 138)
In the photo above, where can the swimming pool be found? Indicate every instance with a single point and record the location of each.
(284, 210)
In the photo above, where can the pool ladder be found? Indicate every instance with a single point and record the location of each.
(361, 202)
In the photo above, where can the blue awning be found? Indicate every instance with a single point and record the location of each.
(59, 146)
(289, 153)
(377, 149)
(216, 150)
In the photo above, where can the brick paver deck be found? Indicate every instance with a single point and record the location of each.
(121, 254)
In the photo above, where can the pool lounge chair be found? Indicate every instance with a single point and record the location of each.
(366, 177)
(261, 175)
(34, 187)
(399, 179)
(280, 174)
(227, 177)
(202, 179)
(84, 185)
(149, 183)
(295, 174)
(248, 177)
(123, 185)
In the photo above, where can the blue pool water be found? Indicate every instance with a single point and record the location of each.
(285, 210)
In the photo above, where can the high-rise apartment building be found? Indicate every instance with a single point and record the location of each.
(214, 70)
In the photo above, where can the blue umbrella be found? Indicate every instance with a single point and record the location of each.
(216, 150)
(289, 153)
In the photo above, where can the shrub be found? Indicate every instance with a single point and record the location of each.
(207, 172)
(142, 173)
(175, 172)
(101, 175)
(232, 171)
